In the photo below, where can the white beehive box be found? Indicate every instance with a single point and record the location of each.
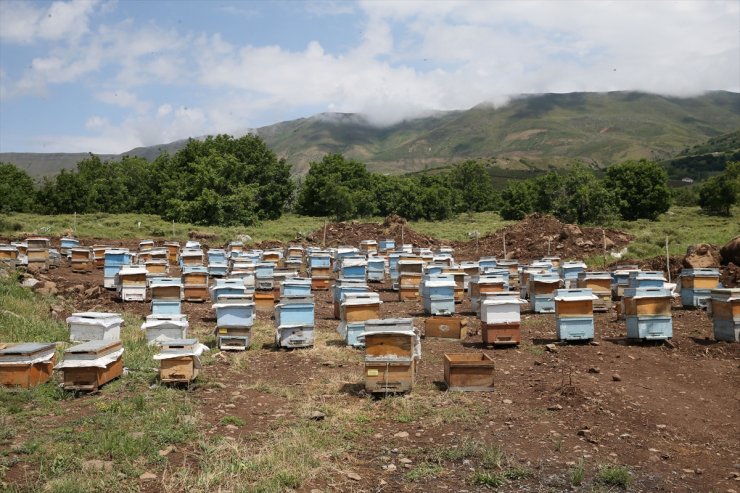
(94, 326)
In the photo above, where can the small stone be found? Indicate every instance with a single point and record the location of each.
(537, 363)
(584, 432)
(402, 434)
(219, 385)
(625, 435)
(551, 347)
(631, 357)
(353, 476)
(698, 471)
(594, 369)
(330, 364)
(507, 401)
(232, 427)
(661, 427)
(616, 377)
(653, 450)
(317, 416)
(230, 406)
(391, 468)
(555, 407)
(404, 460)
(595, 343)
(148, 476)
(688, 471)
(167, 451)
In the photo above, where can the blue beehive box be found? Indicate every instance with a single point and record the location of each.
(621, 279)
(234, 315)
(264, 270)
(697, 286)
(117, 256)
(218, 269)
(319, 260)
(294, 336)
(646, 279)
(353, 268)
(295, 311)
(574, 314)
(386, 245)
(166, 307)
(648, 313)
(216, 256)
(649, 328)
(295, 286)
(487, 262)
(575, 329)
(376, 269)
(438, 294)
(569, 272)
(354, 333)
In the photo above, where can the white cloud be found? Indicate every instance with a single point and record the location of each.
(23, 22)
(124, 99)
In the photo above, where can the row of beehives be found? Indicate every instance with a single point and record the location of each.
(35, 251)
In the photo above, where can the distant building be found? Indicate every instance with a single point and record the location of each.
(687, 180)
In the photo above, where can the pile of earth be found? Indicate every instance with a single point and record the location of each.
(351, 233)
(541, 235)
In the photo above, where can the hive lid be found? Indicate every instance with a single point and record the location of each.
(94, 348)
(27, 349)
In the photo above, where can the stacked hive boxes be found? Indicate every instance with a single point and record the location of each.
(115, 258)
(621, 279)
(355, 309)
(67, 243)
(569, 272)
(696, 286)
(513, 267)
(342, 286)
(9, 254)
(500, 314)
(264, 285)
(160, 328)
(179, 360)
(173, 252)
(481, 285)
(37, 252)
(725, 308)
(294, 316)
(647, 311)
(320, 268)
(195, 283)
(574, 314)
(234, 321)
(409, 278)
(392, 351)
(438, 294)
(600, 284)
(81, 259)
(376, 269)
(386, 245)
(217, 264)
(26, 365)
(131, 283)
(541, 291)
(166, 293)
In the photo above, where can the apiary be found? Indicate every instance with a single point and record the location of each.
(191, 257)
(409, 283)
(446, 327)
(99, 255)
(696, 286)
(195, 283)
(179, 360)
(159, 328)
(725, 309)
(369, 247)
(621, 279)
(26, 365)
(469, 372)
(376, 269)
(294, 336)
(346, 286)
(173, 252)
(574, 314)
(391, 356)
(90, 365)
(460, 278)
(131, 283)
(353, 268)
(114, 259)
(359, 307)
(438, 294)
(600, 285)
(94, 326)
(386, 245)
(542, 292)
(647, 313)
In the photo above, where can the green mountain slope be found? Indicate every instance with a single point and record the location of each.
(530, 133)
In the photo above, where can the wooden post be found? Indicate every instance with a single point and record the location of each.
(504, 239)
(323, 242)
(603, 234)
(75, 223)
(667, 260)
(402, 236)
(548, 246)
(173, 229)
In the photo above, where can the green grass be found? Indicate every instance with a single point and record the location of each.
(490, 479)
(24, 315)
(423, 471)
(577, 474)
(459, 227)
(613, 475)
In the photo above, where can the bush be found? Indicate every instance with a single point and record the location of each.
(641, 188)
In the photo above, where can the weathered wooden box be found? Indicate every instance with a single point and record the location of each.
(359, 307)
(446, 327)
(88, 366)
(501, 333)
(390, 359)
(179, 361)
(26, 365)
(94, 326)
(294, 336)
(346, 286)
(237, 339)
(469, 372)
(173, 251)
(264, 301)
(696, 286)
(320, 283)
(725, 309)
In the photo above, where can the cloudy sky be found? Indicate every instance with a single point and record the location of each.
(107, 76)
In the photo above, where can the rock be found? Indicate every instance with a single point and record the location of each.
(555, 407)
(507, 401)
(609, 243)
(391, 468)
(594, 369)
(330, 364)
(317, 416)
(730, 252)
(698, 471)
(78, 289)
(97, 465)
(353, 476)
(167, 451)
(595, 343)
(584, 433)
(148, 476)
(219, 385)
(661, 427)
(616, 377)
(551, 347)
(232, 427)
(701, 255)
(93, 292)
(402, 434)
(570, 230)
(31, 283)
(404, 460)
(670, 343)
(688, 471)
(49, 289)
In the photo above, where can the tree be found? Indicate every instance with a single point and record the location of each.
(17, 191)
(517, 200)
(718, 194)
(583, 199)
(473, 185)
(336, 186)
(641, 188)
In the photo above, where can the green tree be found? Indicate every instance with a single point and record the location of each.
(336, 186)
(473, 185)
(583, 198)
(518, 200)
(718, 194)
(17, 191)
(641, 188)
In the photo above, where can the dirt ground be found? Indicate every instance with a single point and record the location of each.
(669, 412)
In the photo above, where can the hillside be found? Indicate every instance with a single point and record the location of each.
(705, 159)
(530, 133)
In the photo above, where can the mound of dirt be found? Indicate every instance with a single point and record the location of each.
(540, 235)
(730, 253)
(700, 256)
(352, 233)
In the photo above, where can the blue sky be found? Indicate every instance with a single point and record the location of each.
(107, 76)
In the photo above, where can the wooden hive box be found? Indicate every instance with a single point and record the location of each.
(81, 254)
(88, 366)
(178, 363)
(26, 365)
(408, 293)
(446, 327)
(264, 301)
(157, 267)
(359, 307)
(173, 250)
(469, 372)
(37, 254)
(647, 302)
(389, 376)
(501, 334)
(195, 292)
(197, 278)
(166, 288)
(320, 283)
(8, 253)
